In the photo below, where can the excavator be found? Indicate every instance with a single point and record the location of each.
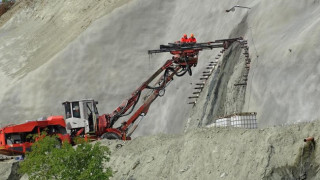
(83, 119)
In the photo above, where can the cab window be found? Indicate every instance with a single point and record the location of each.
(76, 109)
(67, 110)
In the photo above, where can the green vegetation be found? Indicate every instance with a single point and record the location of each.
(51, 160)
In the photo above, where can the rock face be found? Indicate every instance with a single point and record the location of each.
(220, 96)
(5, 169)
(53, 51)
(9, 170)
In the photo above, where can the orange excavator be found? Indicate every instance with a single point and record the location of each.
(83, 119)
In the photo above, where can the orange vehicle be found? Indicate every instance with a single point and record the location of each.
(17, 139)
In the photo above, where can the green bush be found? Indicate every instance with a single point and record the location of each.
(51, 160)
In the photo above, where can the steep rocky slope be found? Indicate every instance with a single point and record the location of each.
(49, 54)
(220, 96)
(31, 33)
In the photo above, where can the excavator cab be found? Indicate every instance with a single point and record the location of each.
(81, 116)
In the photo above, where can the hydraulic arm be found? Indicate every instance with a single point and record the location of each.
(185, 56)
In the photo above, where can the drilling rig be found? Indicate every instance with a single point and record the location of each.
(82, 116)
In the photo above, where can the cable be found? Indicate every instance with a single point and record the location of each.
(184, 71)
(255, 48)
(253, 72)
(118, 115)
(164, 78)
(132, 106)
(162, 94)
(149, 68)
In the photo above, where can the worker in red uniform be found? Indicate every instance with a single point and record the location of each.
(192, 39)
(184, 38)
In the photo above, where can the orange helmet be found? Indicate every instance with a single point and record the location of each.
(191, 35)
(185, 35)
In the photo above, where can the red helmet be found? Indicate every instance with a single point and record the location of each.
(185, 35)
(191, 35)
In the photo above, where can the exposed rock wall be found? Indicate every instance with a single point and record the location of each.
(107, 62)
(9, 170)
(221, 97)
(50, 54)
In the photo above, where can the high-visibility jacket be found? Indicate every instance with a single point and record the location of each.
(183, 40)
(192, 40)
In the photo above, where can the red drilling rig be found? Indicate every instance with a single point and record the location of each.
(82, 117)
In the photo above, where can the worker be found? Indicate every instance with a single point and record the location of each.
(184, 38)
(192, 39)
(76, 112)
(68, 115)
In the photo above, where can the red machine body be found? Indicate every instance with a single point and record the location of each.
(16, 139)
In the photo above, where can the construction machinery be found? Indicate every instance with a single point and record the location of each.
(83, 119)
(17, 139)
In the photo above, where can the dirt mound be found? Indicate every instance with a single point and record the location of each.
(226, 153)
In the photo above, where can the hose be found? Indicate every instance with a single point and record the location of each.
(134, 105)
(184, 71)
(162, 94)
(165, 80)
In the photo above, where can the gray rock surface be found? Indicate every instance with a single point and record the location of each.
(220, 96)
(5, 169)
(52, 51)
(9, 170)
